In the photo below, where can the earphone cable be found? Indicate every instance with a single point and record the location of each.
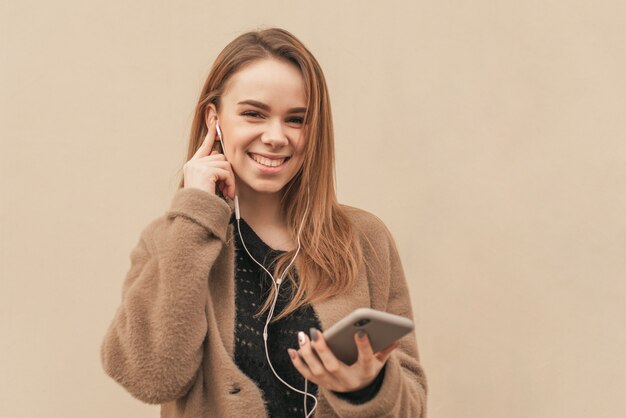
(277, 284)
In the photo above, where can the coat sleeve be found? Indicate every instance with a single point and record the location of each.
(404, 388)
(154, 345)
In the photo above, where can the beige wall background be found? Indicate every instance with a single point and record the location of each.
(489, 136)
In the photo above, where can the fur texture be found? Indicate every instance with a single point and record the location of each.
(171, 339)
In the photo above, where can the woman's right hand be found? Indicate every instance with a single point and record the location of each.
(206, 169)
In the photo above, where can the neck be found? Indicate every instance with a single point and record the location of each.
(260, 208)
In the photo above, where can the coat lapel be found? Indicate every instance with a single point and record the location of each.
(336, 308)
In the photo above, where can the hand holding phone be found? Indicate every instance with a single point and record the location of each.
(382, 328)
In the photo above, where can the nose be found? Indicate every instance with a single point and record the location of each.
(274, 135)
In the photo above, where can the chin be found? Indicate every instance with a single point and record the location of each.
(266, 185)
(268, 188)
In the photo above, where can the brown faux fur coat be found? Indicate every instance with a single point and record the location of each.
(171, 340)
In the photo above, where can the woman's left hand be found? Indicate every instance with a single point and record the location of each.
(325, 370)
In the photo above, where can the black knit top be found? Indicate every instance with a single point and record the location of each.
(252, 285)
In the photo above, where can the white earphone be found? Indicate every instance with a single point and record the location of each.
(277, 284)
(219, 136)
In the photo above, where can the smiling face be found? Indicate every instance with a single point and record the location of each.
(261, 119)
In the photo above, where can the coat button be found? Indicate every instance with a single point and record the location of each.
(235, 389)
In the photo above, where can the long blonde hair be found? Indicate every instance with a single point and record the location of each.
(329, 257)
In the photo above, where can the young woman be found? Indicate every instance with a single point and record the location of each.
(255, 229)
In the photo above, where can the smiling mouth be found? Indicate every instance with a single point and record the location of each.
(268, 162)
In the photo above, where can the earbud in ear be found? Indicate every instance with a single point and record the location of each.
(219, 131)
(219, 136)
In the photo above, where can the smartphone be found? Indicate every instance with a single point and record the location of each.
(382, 328)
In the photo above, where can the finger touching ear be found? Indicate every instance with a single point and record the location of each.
(210, 113)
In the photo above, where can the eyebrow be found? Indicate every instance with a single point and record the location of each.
(267, 108)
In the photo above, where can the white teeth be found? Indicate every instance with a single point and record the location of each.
(266, 161)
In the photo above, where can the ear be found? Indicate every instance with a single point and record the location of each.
(210, 113)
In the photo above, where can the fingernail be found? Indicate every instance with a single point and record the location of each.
(313, 333)
(361, 334)
(301, 339)
(292, 353)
